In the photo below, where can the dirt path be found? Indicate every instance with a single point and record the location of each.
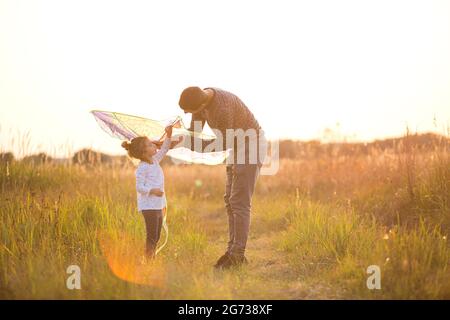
(268, 270)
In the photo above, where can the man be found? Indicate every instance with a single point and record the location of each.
(223, 111)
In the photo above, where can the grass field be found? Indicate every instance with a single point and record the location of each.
(316, 227)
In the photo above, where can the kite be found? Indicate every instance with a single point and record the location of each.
(126, 127)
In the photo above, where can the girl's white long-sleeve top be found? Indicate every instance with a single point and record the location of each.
(150, 176)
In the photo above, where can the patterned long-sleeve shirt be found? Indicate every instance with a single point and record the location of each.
(224, 111)
(150, 176)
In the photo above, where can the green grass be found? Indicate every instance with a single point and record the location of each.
(325, 242)
(300, 246)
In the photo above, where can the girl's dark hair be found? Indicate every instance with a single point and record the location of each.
(135, 147)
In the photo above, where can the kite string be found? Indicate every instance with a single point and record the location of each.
(166, 230)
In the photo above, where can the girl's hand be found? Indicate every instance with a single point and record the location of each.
(169, 131)
(156, 192)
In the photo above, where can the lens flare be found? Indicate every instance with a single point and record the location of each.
(125, 257)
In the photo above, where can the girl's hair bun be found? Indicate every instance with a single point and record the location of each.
(135, 147)
(126, 145)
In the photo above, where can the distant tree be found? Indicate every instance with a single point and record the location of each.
(38, 159)
(294, 149)
(91, 157)
(6, 157)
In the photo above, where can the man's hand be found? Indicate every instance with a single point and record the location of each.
(175, 142)
(156, 192)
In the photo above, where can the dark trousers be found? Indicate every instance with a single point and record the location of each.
(241, 180)
(153, 222)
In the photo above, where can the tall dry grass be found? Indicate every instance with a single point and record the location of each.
(317, 225)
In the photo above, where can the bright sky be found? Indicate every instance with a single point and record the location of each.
(301, 66)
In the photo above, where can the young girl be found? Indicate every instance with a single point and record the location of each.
(150, 184)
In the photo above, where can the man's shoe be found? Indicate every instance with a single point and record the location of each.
(222, 260)
(234, 261)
